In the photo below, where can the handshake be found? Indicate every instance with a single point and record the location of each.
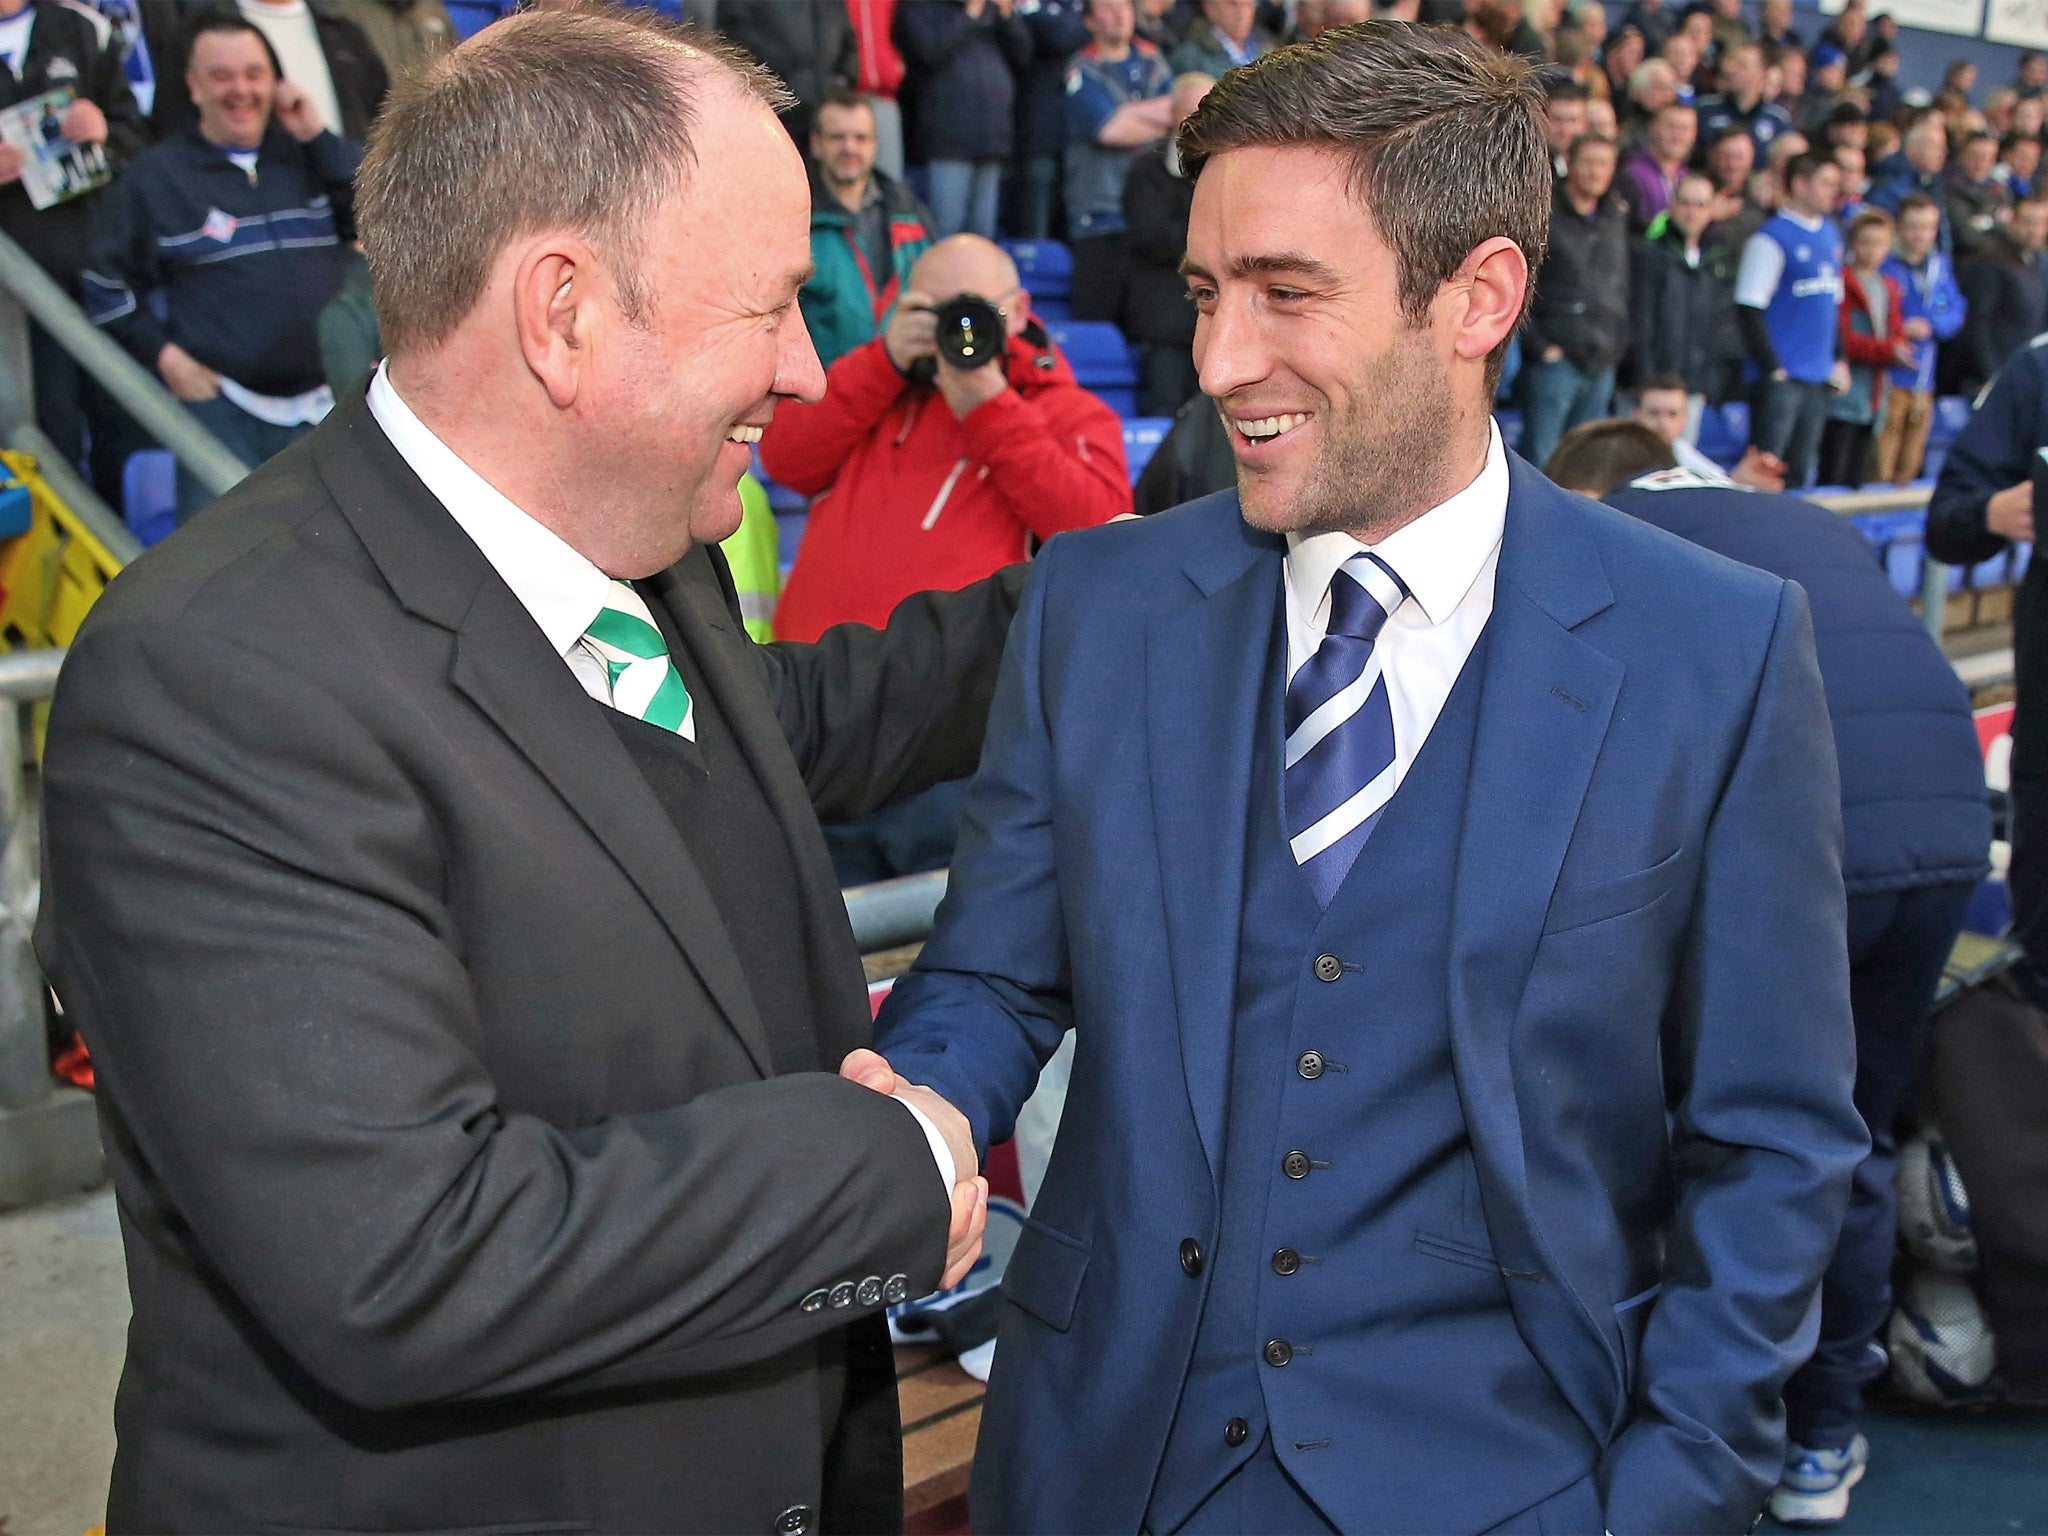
(970, 1190)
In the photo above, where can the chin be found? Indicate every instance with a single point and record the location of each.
(716, 516)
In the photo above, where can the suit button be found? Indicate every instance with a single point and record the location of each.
(1328, 967)
(869, 1292)
(794, 1521)
(1278, 1352)
(815, 1302)
(1190, 1257)
(1286, 1261)
(1309, 1064)
(896, 1289)
(1295, 1165)
(1236, 1432)
(842, 1295)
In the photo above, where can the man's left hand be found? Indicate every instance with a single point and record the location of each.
(966, 389)
(84, 123)
(296, 113)
(1838, 377)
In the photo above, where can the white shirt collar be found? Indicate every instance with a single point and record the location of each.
(1438, 555)
(562, 590)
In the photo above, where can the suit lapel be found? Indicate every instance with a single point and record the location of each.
(1204, 672)
(505, 666)
(1547, 698)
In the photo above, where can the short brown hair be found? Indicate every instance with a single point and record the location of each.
(1445, 139)
(1869, 218)
(574, 119)
(1596, 457)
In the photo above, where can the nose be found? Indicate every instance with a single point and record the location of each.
(1230, 351)
(798, 373)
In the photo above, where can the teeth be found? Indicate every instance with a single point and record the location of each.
(744, 435)
(1270, 426)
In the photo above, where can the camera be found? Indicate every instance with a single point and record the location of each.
(971, 334)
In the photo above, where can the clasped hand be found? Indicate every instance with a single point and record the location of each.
(970, 1191)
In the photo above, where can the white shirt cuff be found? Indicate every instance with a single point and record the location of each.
(941, 1153)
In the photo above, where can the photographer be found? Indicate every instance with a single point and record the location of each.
(932, 470)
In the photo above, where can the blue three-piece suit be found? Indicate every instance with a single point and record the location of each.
(1495, 1196)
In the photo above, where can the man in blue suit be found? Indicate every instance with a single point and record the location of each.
(1441, 875)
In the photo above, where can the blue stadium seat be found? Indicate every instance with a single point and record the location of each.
(789, 533)
(1044, 267)
(1950, 413)
(2022, 554)
(1103, 362)
(1142, 437)
(1720, 439)
(1051, 312)
(1510, 424)
(472, 16)
(149, 494)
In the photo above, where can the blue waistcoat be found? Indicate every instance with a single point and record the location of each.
(1370, 1264)
(1802, 314)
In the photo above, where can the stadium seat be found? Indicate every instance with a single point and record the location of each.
(149, 494)
(472, 16)
(1950, 413)
(1142, 437)
(1103, 362)
(1045, 268)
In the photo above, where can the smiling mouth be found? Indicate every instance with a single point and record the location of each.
(743, 434)
(1265, 429)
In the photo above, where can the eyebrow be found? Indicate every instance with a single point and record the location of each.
(1281, 263)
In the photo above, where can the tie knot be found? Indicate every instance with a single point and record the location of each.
(624, 624)
(1363, 594)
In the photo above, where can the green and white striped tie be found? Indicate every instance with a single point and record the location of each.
(643, 679)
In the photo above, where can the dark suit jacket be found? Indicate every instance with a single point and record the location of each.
(456, 1188)
(1648, 1007)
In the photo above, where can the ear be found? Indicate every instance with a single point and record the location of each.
(1017, 313)
(555, 296)
(1486, 297)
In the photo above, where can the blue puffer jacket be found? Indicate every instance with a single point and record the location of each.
(961, 79)
(1913, 802)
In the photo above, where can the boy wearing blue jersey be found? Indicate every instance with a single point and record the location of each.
(1787, 294)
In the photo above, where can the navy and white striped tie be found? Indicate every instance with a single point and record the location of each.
(1340, 729)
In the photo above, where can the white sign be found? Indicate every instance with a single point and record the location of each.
(1960, 17)
(2023, 23)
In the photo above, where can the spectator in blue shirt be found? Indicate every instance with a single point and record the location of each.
(1119, 99)
(1787, 293)
(1916, 168)
(1740, 103)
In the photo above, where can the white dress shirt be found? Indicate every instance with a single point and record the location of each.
(560, 588)
(1447, 558)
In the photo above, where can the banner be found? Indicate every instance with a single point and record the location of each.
(2023, 23)
(1962, 18)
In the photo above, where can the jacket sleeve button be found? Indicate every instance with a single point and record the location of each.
(1328, 967)
(815, 1302)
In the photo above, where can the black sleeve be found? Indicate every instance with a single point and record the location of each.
(875, 716)
(1756, 339)
(245, 913)
(108, 90)
(1994, 452)
(1152, 213)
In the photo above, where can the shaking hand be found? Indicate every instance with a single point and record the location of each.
(970, 1190)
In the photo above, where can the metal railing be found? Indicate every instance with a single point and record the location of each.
(49, 1135)
(134, 387)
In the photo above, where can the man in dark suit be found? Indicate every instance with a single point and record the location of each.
(433, 870)
(1445, 896)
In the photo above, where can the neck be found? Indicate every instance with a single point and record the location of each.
(1469, 434)
(1112, 53)
(228, 142)
(1580, 200)
(852, 193)
(489, 428)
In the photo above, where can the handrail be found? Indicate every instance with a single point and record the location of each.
(209, 460)
(893, 912)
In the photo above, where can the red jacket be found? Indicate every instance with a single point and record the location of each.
(881, 66)
(1863, 350)
(910, 500)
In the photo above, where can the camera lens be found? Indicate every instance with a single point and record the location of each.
(970, 331)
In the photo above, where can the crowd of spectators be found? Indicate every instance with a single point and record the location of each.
(1761, 215)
